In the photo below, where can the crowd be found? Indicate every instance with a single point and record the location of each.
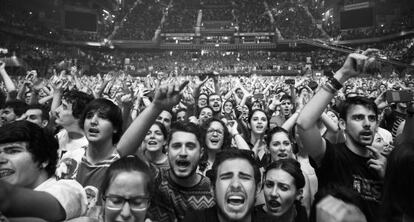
(209, 147)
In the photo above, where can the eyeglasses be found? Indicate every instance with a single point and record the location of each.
(211, 131)
(115, 202)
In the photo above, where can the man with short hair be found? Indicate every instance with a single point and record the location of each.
(37, 114)
(12, 111)
(354, 164)
(214, 102)
(180, 188)
(28, 157)
(68, 114)
(235, 184)
(165, 118)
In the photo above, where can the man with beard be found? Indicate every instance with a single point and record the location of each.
(355, 163)
(286, 107)
(235, 183)
(214, 102)
(181, 188)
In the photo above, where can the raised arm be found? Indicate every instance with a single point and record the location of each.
(165, 98)
(311, 139)
(7, 80)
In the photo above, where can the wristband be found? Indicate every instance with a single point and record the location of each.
(335, 83)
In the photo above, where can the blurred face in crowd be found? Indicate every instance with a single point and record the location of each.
(245, 112)
(257, 105)
(165, 118)
(215, 102)
(360, 125)
(127, 198)
(239, 93)
(380, 144)
(181, 116)
(258, 122)
(184, 152)
(279, 191)
(215, 136)
(8, 115)
(202, 101)
(333, 116)
(286, 107)
(64, 115)
(235, 189)
(228, 107)
(382, 88)
(205, 114)
(154, 140)
(97, 127)
(18, 167)
(35, 116)
(280, 146)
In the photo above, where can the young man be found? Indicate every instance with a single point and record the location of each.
(235, 184)
(355, 163)
(28, 157)
(68, 113)
(12, 111)
(37, 114)
(214, 102)
(179, 188)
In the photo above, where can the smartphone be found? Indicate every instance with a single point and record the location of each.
(401, 96)
(290, 81)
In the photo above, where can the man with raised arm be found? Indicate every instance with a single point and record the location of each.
(355, 163)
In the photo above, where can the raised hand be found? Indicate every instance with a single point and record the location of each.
(378, 162)
(168, 95)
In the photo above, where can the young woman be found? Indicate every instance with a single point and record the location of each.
(153, 145)
(258, 124)
(282, 188)
(127, 180)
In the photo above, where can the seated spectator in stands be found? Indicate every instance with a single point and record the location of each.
(68, 114)
(28, 157)
(235, 183)
(37, 114)
(12, 111)
(282, 188)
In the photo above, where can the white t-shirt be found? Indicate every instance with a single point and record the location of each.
(69, 193)
(68, 145)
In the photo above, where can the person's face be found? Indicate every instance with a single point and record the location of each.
(205, 114)
(235, 189)
(17, 166)
(8, 115)
(360, 125)
(332, 116)
(280, 146)
(154, 140)
(64, 115)
(382, 88)
(181, 116)
(165, 118)
(286, 107)
(215, 136)
(97, 127)
(35, 116)
(184, 152)
(127, 185)
(258, 122)
(279, 191)
(228, 107)
(202, 101)
(215, 103)
(245, 111)
(239, 93)
(379, 143)
(256, 105)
